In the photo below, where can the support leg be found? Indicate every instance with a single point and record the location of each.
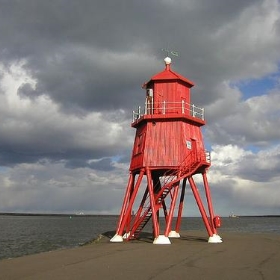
(213, 238)
(127, 214)
(159, 239)
(200, 206)
(152, 202)
(127, 206)
(180, 210)
(118, 236)
(209, 202)
(171, 210)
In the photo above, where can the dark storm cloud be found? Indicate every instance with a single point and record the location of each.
(78, 51)
(71, 72)
(262, 168)
(104, 164)
(249, 122)
(93, 56)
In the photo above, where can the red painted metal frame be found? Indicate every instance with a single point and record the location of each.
(128, 203)
(181, 205)
(200, 206)
(161, 154)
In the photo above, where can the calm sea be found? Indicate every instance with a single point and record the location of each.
(24, 235)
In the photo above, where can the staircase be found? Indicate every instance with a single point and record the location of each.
(170, 178)
(142, 223)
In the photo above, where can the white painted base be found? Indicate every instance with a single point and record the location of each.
(161, 240)
(174, 234)
(126, 235)
(116, 238)
(215, 239)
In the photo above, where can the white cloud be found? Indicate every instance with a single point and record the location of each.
(67, 89)
(249, 181)
(251, 40)
(39, 124)
(48, 187)
(250, 122)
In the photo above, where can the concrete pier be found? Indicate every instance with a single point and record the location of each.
(240, 256)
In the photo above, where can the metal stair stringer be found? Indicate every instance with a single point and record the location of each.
(142, 217)
(181, 174)
(176, 176)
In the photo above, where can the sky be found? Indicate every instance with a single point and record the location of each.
(71, 73)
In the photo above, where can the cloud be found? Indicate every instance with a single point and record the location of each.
(248, 180)
(71, 73)
(35, 128)
(51, 187)
(247, 122)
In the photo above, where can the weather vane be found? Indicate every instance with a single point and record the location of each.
(168, 51)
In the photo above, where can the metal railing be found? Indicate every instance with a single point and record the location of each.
(162, 108)
(207, 156)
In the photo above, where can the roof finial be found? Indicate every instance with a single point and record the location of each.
(168, 60)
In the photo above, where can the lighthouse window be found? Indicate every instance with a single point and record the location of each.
(139, 143)
(150, 92)
(189, 145)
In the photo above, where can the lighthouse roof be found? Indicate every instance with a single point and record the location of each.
(168, 74)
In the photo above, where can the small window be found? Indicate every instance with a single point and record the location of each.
(139, 145)
(150, 92)
(189, 144)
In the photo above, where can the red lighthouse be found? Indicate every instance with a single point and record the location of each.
(168, 150)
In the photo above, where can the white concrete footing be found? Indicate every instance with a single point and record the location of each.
(215, 239)
(174, 234)
(116, 238)
(161, 240)
(126, 235)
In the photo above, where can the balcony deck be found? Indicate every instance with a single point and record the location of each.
(168, 110)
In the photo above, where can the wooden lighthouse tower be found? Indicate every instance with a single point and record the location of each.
(168, 150)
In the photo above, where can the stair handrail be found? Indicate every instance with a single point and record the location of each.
(195, 161)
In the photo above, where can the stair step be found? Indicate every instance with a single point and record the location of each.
(167, 184)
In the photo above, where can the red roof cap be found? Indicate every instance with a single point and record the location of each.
(168, 74)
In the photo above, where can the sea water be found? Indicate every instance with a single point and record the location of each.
(24, 235)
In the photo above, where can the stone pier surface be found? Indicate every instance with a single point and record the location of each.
(240, 256)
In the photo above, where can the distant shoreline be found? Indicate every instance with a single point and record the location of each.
(116, 215)
(60, 215)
